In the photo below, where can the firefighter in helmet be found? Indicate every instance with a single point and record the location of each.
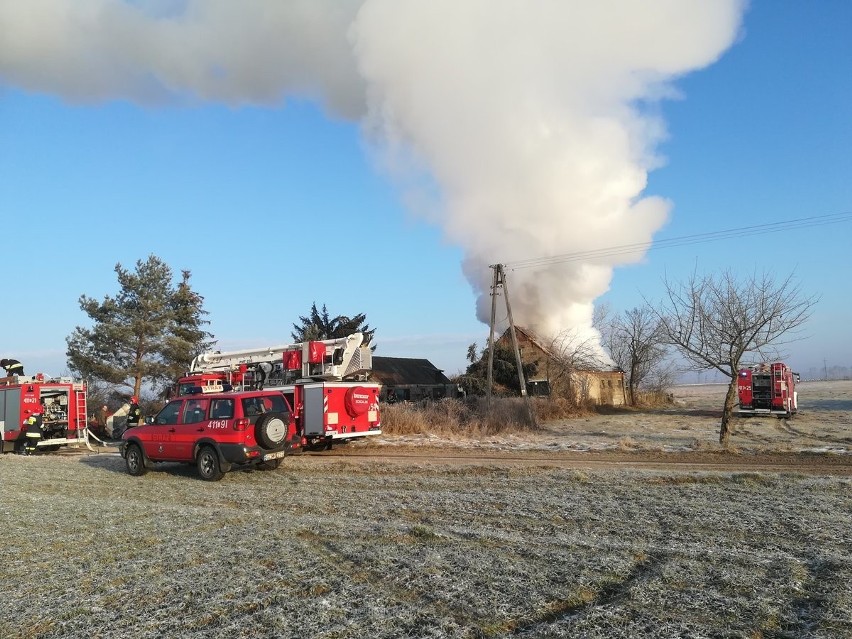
(134, 416)
(12, 366)
(33, 424)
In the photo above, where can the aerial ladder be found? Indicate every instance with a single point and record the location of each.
(331, 359)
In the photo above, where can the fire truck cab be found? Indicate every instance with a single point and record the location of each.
(60, 401)
(325, 382)
(767, 389)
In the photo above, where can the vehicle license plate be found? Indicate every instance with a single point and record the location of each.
(278, 455)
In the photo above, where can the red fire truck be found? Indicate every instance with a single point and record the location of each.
(61, 402)
(325, 382)
(767, 389)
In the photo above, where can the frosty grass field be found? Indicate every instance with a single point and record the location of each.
(343, 548)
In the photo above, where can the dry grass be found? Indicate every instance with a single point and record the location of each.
(655, 399)
(691, 423)
(344, 550)
(472, 417)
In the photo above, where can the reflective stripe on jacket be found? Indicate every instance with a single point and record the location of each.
(33, 424)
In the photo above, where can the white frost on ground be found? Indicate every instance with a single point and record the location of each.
(692, 426)
(441, 551)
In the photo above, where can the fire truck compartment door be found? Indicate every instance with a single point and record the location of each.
(10, 409)
(313, 419)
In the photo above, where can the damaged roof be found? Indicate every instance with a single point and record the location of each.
(406, 370)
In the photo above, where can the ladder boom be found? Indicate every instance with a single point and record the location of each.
(328, 359)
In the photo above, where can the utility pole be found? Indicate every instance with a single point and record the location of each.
(490, 378)
(499, 280)
(512, 334)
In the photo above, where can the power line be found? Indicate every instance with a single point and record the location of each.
(698, 238)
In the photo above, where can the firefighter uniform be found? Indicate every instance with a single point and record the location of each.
(33, 435)
(12, 366)
(134, 416)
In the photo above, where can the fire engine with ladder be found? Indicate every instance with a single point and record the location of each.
(61, 401)
(767, 389)
(325, 382)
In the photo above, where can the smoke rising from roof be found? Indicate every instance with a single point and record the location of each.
(532, 122)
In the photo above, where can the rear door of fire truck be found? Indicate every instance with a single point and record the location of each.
(10, 414)
(313, 413)
(340, 410)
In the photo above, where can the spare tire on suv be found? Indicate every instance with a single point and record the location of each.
(270, 430)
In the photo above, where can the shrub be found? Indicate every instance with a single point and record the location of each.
(654, 399)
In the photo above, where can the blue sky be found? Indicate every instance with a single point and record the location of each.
(274, 206)
(761, 136)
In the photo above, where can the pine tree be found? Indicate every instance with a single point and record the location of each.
(187, 338)
(504, 370)
(148, 332)
(319, 325)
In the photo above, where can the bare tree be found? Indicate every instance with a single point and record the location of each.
(570, 352)
(715, 321)
(662, 377)
(636, 343)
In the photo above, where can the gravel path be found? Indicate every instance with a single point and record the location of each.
(342, 549)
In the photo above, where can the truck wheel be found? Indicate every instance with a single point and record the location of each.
(208, 464)
(135, 461)
(270, 431)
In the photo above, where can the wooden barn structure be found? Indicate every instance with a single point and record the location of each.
(597, 386)
(411, 379)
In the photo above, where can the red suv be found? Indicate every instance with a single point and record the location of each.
(216, 432)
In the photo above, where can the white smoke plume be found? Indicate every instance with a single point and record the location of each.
(533, 120)
(150, 51)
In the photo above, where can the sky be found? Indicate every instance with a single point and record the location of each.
(376, 156)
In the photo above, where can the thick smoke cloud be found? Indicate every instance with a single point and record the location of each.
(245, 52)
(536, 122)
(531, 124)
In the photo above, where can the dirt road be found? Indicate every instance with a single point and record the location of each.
(804, 463)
